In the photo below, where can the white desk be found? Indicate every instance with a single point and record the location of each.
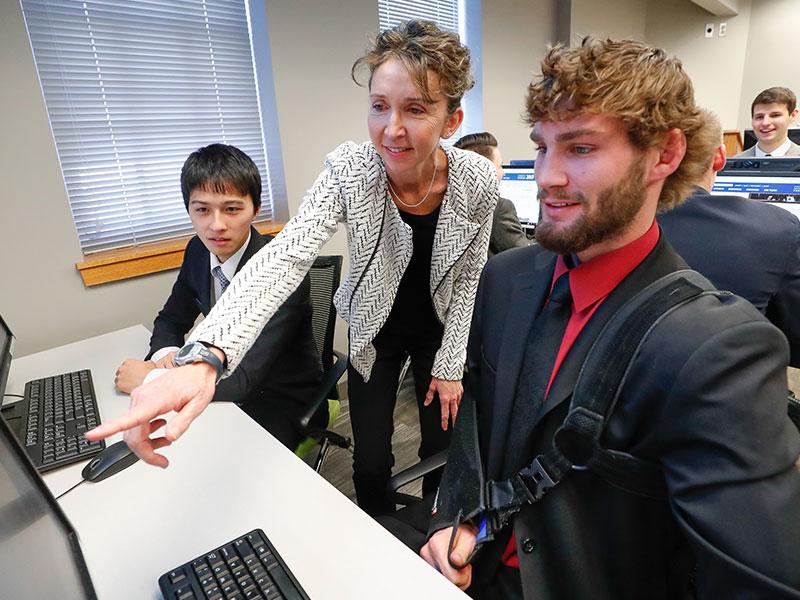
(226, 477)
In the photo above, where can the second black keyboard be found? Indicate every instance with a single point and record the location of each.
(248, 568)
(60, 409)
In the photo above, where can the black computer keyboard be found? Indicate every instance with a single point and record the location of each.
(248, 568)
(60, 409)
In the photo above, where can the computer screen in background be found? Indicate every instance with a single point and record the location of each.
(749, 138)
(519, 186)
(776, 181)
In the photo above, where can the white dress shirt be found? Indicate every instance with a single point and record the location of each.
(778, 152)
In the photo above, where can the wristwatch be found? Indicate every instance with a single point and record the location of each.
(195, 352)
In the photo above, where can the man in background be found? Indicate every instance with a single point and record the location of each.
(745, 246)
(773, 111)
(278, 377)
(506, 229)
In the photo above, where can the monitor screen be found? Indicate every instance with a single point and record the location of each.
(39, 553)
(519, 186)
(783, 191)
(750, 139)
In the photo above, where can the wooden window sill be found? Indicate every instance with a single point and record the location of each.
(134, 261)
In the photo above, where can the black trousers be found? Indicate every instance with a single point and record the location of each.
(372, 415)
(273, 417)
(506, 585)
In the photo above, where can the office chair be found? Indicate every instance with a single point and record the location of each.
(325, 274)
(411, 474)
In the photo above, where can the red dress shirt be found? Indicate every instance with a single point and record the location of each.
(590, 284)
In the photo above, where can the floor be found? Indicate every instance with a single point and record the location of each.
(338, 466)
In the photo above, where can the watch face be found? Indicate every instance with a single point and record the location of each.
(189, 351)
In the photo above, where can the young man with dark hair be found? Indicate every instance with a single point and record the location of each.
(507, 231)
(221, 189)
(773, 111)
(619, 137)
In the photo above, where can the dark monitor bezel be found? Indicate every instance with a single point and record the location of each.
(749, 138)
(38, 483)
(5, 357)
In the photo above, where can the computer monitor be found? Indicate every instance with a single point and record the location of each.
(39, 552)
(749, 138)
(6, 353)
(776, 181)
(519, 186)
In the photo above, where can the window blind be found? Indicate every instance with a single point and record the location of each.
(442, 12)
(131, 88)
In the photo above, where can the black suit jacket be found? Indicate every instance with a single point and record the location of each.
(282, 365)
(747, 247)
(705, 398)
(506, 229)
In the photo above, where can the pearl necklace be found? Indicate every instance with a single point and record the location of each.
(425, 197)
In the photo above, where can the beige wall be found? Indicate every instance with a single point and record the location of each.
(714, 64)
(607, 18)
(313, 44)
(515, 35)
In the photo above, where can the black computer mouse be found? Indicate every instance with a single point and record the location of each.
(113, 459)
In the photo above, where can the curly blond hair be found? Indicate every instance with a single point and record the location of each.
(422, 46)
(641, 85)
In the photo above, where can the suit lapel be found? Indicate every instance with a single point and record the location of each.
(257, 241)
(527, 298)
(201, 279)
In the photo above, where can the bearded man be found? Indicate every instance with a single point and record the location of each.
(619, 137)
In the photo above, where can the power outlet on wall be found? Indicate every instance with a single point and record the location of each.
(709, 30)
(723, 29)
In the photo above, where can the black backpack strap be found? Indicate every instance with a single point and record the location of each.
(576, 444)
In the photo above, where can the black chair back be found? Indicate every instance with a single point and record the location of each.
(325, 274)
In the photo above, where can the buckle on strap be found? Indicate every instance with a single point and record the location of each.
(537, 482)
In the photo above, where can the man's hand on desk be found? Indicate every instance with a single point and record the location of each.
(131, 373)
(187, 390)
(435, 554)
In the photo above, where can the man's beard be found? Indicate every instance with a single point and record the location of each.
(615, 208)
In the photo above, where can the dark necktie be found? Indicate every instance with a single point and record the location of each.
(223, 281)
(544, 340)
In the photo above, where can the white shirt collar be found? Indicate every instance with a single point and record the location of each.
(228, 267)
(779, 151)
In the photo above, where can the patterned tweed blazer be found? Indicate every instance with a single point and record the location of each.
(353, 190)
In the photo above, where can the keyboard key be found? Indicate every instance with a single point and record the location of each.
(229, 588)
(184, 593)
(177, 576)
